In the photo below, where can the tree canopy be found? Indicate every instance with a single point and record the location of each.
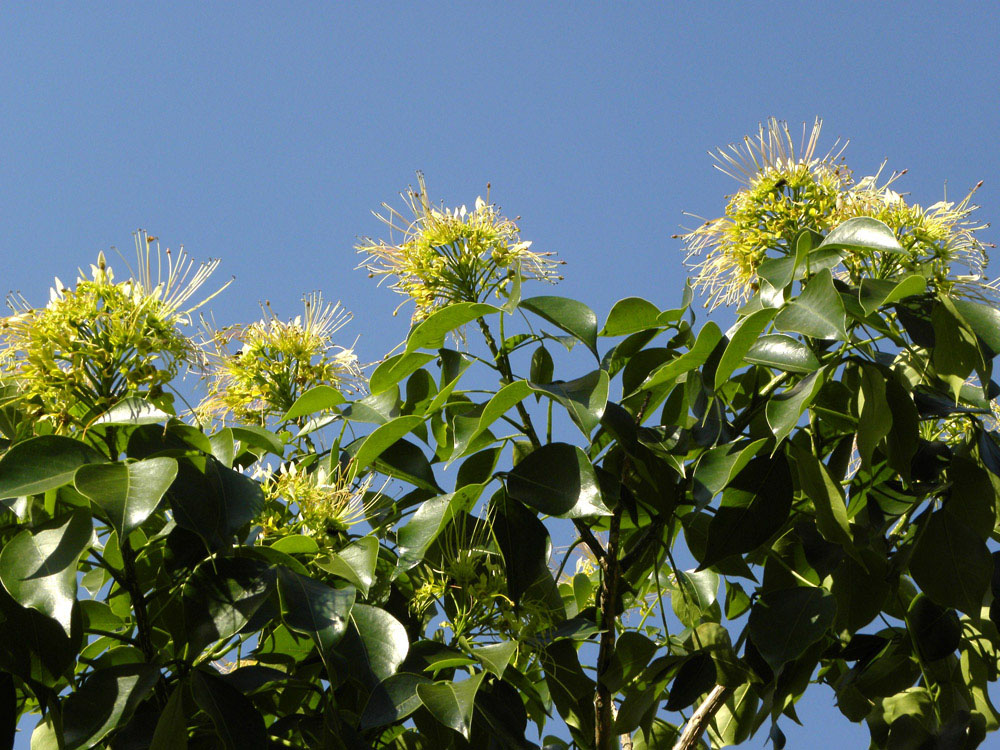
(523, 527)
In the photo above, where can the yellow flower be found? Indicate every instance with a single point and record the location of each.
(102, 340)
(452, 255)
(278, 361)
(325, 502)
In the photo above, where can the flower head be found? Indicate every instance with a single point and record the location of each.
(277, 361)
(325, 502)
(102, 340)
(452, 255)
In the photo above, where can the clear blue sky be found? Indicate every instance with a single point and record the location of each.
(265, 134)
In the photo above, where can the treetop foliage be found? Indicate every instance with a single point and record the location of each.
(523, 527)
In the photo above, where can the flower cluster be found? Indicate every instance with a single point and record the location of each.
(320, 502)
(784, 193)
(277, 361)
(102, 340)
(452, 255)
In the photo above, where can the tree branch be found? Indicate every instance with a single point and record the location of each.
(698, 722)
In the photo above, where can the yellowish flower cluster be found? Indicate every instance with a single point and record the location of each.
(784, 193)
(102, 340)
(277, 361)
(321, 502)
(452, 255)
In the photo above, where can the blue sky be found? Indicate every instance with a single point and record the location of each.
(266, 134)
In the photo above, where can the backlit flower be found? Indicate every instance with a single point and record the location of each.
(452, 255)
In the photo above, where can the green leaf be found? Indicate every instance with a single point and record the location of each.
(401, 460)
(584, 398)
(782, 352)
(260, 438)
(734, 721)
(542, 367)
(383, 641)
(784, 623)
(392, 700)
(780, 272)
(381, 438)
(430, 520)
(525, 546)
(39, 569)
(827, 497)
(818, 312)
(984, 321)
(558, 480)
(936, 631)
(468, 428)
(132, 411)
(212, 500)
(237, 722)
(171, 728)
(43, 463)
(754, 505)
(719, 465)
(708, 338)
(955, 353)
(220, 597)
(396, 368)
(127, 492)
(875, 418)
(695, 593)
(496, 656)
(951, 563)
(740, 343)
(874, 293)
(296, 544)
(105, 702)
(430, 333)
(695, 677)
(317, 398)
(630, 315)
(863, 233)
(574, 317)
(451, 703)
(314, 608)
(354, 563)
(784, 409)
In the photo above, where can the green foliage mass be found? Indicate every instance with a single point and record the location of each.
(525, 528)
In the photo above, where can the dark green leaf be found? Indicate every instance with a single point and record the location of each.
(39, 569)
(382, 639)
(396, 368)
(127, 493)
(558, 480)
(106, 700)
(708, 338)
(584, 398)
(784, 409)
(212, 500)
(430, 520)
(818, 312)
(734, 721)
(475, 423)
(314, 608)
(784, 623)
(951, 563)
(984, 321)
(719, 465)
(695, 677)
(406, 461)
(525, 546)
(875, 419)
(451, 703)
(8, 710)
(542, 367)
(392, 700)
(827, 497)
(43, 463)
(381, 438)
(355, 563)
(171, 728)
(630, 315)
(936, 631)
(574, 317)
(496, 656)
(237, 722)
(259, 438)
(754, 506)
(782, 352)
(874, 293)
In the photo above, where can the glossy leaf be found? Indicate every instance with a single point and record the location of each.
(39, 569)
(753, 507)
(784, 409)
(558, 480)
(237, 722)
(212, 500)
(695, 677)
(952, 564)
(397, 368)
(706, 342)
(382, 638)
(874, 293)
(171, 728)
(827, 497)
(451, 703)
(431, 332)
(863, 233)
(719, 465)
(875, 418)
(574, 317)
(630, 315)
(431, 518)
(782, 352)
(354, 563)
(132, 411)
(381, 438)
(104, 702)
(818, 312)
(468, 428)
(584, 398)
(524, 544)
(936, 631)
(784, 623)
(740, 343)
(43, 463)
(127, 492)
(984, 321)
(314, 608)
(392, 700)
(221, 596)
(316, 399)
(496, 656)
